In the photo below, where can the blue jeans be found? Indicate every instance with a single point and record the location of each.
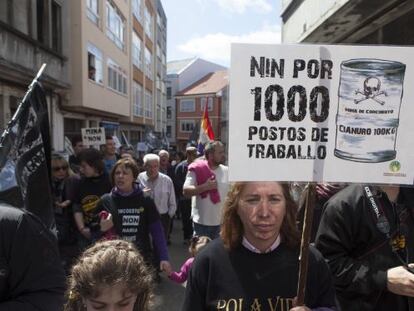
(212, 232)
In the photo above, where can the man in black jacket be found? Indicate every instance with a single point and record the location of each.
(367, 236)
(31, 276)
(184, 203)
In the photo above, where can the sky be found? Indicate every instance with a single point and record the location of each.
(205, 28)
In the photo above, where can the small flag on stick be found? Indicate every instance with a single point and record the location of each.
(206, 131)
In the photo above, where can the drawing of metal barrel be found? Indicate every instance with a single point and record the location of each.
(369, 99)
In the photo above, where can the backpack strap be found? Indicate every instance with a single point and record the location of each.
(382, 223)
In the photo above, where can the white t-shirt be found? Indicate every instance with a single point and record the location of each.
(205, 212)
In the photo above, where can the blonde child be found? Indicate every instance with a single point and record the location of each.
(197, 243)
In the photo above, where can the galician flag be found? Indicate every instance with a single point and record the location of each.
(206, 131)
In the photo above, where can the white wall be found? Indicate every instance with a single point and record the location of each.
(308, 16)
(196, 71)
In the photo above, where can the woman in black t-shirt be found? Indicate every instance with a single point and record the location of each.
(135, 217)
(254, 265)
(93, 184)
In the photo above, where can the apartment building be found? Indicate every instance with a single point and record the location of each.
(114, 64)
(348, 21)
(180, 75)
(33, 33)
(149, 44)
(210, 90)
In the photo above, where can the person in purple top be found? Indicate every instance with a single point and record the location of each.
(196, 245)
(134, 216)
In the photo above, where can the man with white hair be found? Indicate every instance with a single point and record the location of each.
(164, 161)
(160, 188)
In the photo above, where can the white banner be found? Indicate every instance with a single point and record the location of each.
(93, 136)
(321, 113)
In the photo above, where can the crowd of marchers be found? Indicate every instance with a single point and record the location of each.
(114, 214)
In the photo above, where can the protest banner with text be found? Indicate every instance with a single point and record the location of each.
(321, 113)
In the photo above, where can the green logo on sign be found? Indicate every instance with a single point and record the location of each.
(395, 166)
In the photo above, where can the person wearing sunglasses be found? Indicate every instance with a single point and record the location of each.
(367, 236)
(254, 265)
(62, 183)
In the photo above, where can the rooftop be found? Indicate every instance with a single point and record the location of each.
(210, 83)
(177, 66)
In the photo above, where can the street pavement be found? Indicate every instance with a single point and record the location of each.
(169, 295)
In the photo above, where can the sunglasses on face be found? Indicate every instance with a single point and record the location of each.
(58, 168)
(194, 239)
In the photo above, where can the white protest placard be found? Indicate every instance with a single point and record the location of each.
(116, 141)
(321, 113)
(142, 147)
(93, 136)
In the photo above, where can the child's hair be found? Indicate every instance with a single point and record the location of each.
(105, 264)
(197, 243)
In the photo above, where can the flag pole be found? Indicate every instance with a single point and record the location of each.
(304, 247)
(38, 75)
(5, 148)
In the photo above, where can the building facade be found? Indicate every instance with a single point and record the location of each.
(180, 75)
(32, 33)
(118, 67)
(389, 22)
(210, 90)
(106, 64)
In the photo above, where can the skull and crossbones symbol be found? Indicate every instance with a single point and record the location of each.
(372, 86)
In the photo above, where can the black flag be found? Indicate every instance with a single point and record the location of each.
(193, 139)
(25, 157)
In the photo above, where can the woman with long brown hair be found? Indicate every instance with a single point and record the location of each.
(254, 265)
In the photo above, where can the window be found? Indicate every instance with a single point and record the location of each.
(95, 72)
(148, 23)
(210, 103)
(134, 137)
(41, 18)
(148, 63)
(158, 116)
(137, 98)
(163, 115)
(92, 10)
(159, 103)
(72, 127)
(187, 125)
(168, 132)
(158, 51)
(136, 50)
(115, 25)
(117, 79)
(56, 27)
(169, 112)
(159, 20)
(168, 92)
(148, 104)
(187, 105)
(136, 9)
